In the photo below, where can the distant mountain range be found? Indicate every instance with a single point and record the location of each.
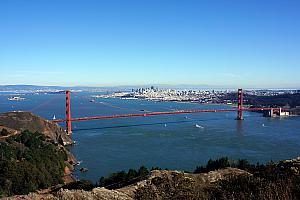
(87, 88)
(28, 87)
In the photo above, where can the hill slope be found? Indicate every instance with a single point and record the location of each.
(21, 121)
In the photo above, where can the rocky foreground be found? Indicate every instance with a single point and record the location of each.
(160, 185)
(272, 181)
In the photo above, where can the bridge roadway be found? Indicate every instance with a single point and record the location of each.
(147, 114)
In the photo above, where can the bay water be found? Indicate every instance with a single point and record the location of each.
(171, 141)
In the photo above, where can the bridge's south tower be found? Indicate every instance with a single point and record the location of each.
(68, 113)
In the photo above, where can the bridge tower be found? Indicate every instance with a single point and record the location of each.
(240, 105)
(68, 113)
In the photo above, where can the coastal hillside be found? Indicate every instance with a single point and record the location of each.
(29, 162)
(19, 121)
(32, 154)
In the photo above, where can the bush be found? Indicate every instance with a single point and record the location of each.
(80, 185)
(121, 178)
(213, 165)
(224, 162)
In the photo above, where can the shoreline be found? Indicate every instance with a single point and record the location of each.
(154, 100)
(191, 102)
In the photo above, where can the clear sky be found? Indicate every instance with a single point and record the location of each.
(229, 43)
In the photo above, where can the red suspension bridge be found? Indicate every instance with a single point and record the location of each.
(239, 111)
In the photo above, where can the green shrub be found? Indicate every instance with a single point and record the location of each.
(80, 185)
(213, 165)
(121, 178)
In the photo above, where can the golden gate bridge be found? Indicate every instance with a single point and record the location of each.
(239, 109)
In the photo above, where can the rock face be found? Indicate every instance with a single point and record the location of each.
(20, 121)
(161, 184)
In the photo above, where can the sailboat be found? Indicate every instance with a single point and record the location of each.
(54, 118)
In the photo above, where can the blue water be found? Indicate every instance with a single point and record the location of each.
(174, 141)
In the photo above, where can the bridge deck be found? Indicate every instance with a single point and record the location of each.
(162, 113)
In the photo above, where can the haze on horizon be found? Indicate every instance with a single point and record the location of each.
(251, 44)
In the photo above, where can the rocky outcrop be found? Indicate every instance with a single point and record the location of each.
(96, 193)
(21, 121)
(178, 185)
(293, 165)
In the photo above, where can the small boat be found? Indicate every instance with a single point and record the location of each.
(198, 126)
(165, 125)
(16, 98)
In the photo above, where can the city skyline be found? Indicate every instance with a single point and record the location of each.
(249, 44)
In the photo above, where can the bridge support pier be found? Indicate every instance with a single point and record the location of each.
(240, 105)
(68, 113)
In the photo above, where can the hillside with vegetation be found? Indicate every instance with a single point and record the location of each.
(29, 162)
(281, 100)
(32, 154)
(228, 180)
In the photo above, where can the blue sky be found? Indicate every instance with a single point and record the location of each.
(232, 43)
